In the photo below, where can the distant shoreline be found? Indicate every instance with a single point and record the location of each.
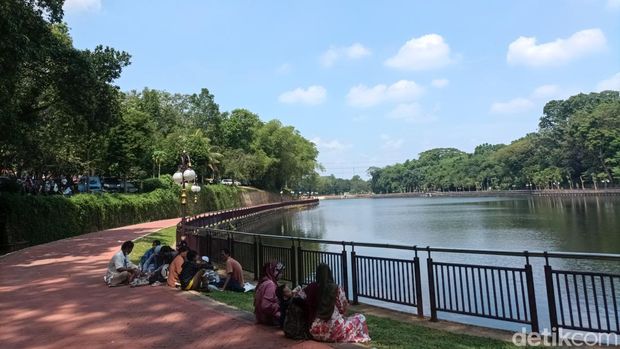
(537, 193)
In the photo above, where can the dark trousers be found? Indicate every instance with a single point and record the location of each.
(233, 285)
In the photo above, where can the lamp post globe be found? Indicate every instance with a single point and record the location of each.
(189, 175)
(195, 189)
(177, 177)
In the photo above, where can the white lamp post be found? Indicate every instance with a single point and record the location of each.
(183, 176)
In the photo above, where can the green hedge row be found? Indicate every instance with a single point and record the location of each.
(40, 219)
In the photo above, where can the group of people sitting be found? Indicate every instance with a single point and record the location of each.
(316, 311)
(182, 268)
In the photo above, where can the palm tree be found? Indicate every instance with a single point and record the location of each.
(158, 156)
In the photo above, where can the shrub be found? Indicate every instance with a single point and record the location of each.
(151, 184)
(40, 219)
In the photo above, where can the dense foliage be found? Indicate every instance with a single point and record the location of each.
(577, 146)
(60, 113)
(39, 219)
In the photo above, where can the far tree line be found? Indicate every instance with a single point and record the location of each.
(577, 146)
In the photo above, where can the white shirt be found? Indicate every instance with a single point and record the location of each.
(119, 260)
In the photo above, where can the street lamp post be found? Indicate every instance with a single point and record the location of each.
(605, 181)
(184, 175)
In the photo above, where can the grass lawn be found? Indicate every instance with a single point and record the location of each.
(167, 236)
(385, 333)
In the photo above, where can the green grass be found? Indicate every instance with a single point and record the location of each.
(240, 300)
(388, 333)
(167, 236)
(385, 333)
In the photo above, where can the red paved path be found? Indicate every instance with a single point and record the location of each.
(53, 296)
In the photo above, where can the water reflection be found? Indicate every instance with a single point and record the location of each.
(583, 224)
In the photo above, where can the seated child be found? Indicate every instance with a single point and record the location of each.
(192, 271)
(285, 296)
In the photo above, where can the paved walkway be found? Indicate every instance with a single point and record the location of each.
(53, 296)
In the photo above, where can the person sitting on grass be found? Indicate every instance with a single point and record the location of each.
(234, 273)
(326, 306)
(192, 272)
(148, 260)
(120, 270)
(176, 266)
(162, 260)
(266, 304)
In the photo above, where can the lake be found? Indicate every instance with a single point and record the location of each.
(578, 224)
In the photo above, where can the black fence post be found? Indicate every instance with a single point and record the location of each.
(344, 267)
(260, 253)
(231, 245)
(418, 283)
(531, 294)
(293, 269)
(354, 273)
(210, 246)
(256, 263)
(553, 315)
(300, 264)
(431, 286)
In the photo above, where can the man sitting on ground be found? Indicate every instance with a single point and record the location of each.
(176, 266)
(234, 273)
(120, 269)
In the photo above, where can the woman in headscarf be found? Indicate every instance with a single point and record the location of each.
(326, 305)
(266, 304)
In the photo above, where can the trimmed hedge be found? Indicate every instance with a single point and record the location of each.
(40, 219)
(151, 184)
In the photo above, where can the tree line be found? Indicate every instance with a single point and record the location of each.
(61, 113)
(577, 145)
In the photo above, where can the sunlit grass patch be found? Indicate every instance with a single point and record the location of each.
(167, 236)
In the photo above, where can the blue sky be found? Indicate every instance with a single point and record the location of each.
(371, 83)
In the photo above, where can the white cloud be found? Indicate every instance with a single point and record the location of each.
(613, 83)
(540, 94)
(525, 51)
(514, 106)
(423, 53)
(400, 91)
(391, 143)
(355, 51)
(613, 4)
(312, 95)
(546, 91)
(440, 83)
(284, 69)
(411, 112)
(333, 145)
(82, 5)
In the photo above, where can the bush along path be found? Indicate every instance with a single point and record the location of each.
(27, 220)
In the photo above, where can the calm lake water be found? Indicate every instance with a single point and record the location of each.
(584, 224)
(587, 224)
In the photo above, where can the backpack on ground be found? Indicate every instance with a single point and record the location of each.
(295, 324)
